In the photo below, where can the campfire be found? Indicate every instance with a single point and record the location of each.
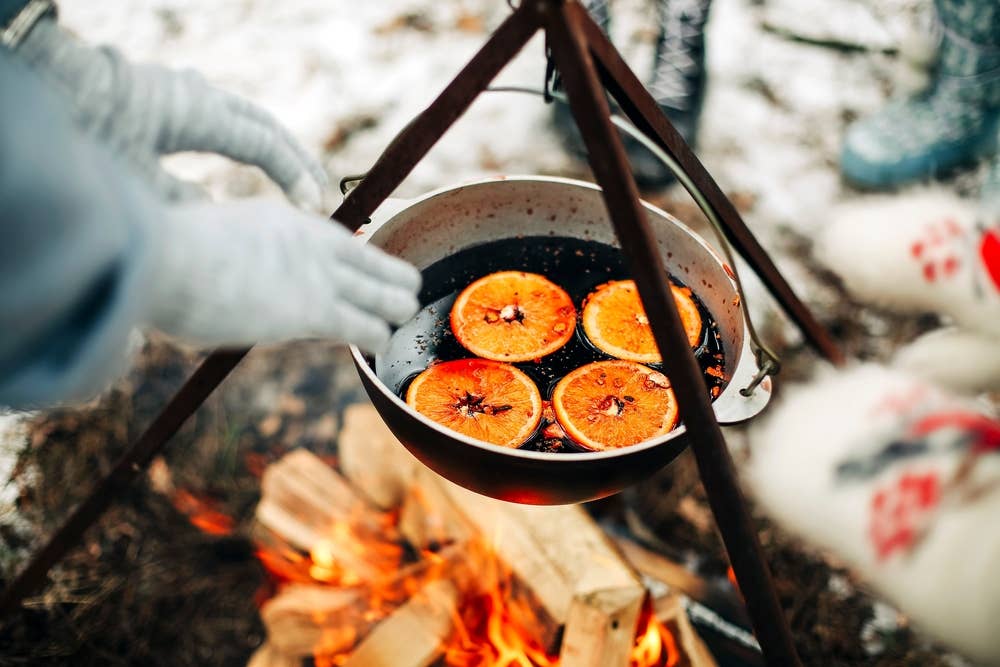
(382, 562)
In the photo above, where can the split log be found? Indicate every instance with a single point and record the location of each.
(692, 651)
(315, 510)
(564, 558)
(428, 518)
(414, 635)
(559, 554)
(268, 656)
(373, 459)
(304, 619)
(662, 569)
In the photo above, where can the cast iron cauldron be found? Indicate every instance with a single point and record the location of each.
(437, 225)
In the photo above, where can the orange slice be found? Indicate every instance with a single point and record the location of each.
(611, 404)
(482, 399)
(513, 316)
(615, 321)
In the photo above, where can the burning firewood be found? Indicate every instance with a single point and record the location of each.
(315, 510)
(373, 459)
(490, 579)
(302, 620)
(691, 650)
(428, 518)
(662, 569)
(557, 553)
(414, 635)
(268, 656)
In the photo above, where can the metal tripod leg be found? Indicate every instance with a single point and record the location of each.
(611, 169)
(640, 107)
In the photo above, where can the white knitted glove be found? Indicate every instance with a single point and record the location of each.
(144, 111)
(902, 481)
(963, 361)
(929, 252)
(259, 271)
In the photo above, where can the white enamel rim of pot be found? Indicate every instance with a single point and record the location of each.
(731, 407)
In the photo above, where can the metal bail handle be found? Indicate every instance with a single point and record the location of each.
(768, 363)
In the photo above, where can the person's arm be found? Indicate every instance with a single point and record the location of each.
(88, 254)
(74, 257)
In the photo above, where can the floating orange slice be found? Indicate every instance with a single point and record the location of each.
(482, 399)
(610, 404)
(615, 321)
(513, 316)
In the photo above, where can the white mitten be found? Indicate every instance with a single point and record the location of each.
(902, 481)
(260, 271)
(144, 111)
(964, 361)
(929, 252)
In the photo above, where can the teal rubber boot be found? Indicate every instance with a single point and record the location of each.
(989, 194)
(952, 123)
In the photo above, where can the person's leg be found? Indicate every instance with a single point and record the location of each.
(952, 123)
(990, 191)
(677, 82)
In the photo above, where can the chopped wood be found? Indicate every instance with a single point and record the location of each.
(428, 518)
(307, 618)
(662, 569)
(373, 459)
(305, 501)
(578, 580)
(564, 558)
(414, 635)
(600, 628)
(268, 656)
(693, 652)
(302, 619)
(302, 481)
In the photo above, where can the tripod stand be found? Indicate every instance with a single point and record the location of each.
(589, 66)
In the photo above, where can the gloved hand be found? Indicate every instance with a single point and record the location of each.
(142, 112)
(932, 253)
(259, 271)
(901, 480)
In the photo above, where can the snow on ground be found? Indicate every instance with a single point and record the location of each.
(774, 115)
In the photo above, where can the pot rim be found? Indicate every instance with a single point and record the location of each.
(386, 214)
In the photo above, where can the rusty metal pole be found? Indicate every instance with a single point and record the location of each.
(640, 108)
(132, 462)
(621, 196)
(412, 144)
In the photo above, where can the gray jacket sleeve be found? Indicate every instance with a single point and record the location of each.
(75, 251)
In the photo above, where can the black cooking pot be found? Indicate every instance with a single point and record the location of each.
(435, 226)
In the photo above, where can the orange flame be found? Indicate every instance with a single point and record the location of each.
(493, 628)
(202, 513)
(654, 643)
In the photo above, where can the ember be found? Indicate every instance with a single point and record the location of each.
(202, 513)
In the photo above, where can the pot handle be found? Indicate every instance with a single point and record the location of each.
(768, 363)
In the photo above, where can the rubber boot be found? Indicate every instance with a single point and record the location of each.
(950, 124)
(989, 193)
(677, 82)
